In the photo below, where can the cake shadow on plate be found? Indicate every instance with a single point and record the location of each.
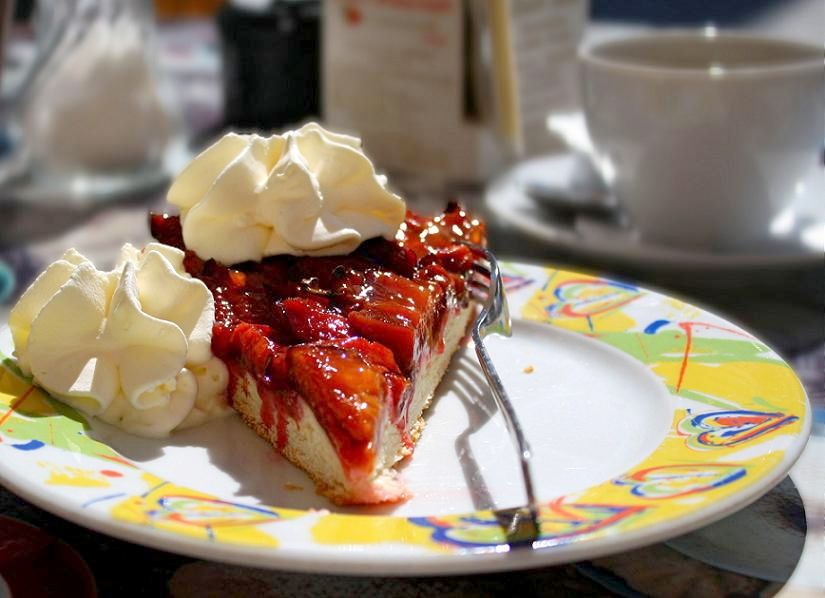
(225, 458)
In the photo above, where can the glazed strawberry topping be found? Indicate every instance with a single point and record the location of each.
(345, 332)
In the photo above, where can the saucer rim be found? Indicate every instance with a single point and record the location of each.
(637, 252)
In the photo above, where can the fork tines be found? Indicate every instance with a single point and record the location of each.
(479, 281)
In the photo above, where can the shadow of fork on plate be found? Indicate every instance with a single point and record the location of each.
(469, 385)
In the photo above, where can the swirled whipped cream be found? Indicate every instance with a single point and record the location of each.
(307, 192)
(131, 346)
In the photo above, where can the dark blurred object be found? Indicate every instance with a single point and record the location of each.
(164, 9)
(34, 563)
(685, 12)
(175, 9)
(271, 63)
(6, 16)
(23, 10)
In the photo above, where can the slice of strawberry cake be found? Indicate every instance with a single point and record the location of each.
(293, 284)
(334, 359)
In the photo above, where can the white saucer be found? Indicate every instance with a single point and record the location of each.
(799, 239)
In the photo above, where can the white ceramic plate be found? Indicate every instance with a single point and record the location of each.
(648, 418)
(799, 242)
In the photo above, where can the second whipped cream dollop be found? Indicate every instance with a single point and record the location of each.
(131, 346)
(307, 192)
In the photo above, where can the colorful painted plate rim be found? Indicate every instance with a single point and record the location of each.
(688, 481)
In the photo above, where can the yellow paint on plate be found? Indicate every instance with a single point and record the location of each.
(357, 529)
(66, 475)
(187, 512)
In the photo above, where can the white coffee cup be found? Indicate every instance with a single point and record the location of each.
(704, 136)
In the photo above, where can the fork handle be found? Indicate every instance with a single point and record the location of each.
(511, 421)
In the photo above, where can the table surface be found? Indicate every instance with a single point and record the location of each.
(784, 308)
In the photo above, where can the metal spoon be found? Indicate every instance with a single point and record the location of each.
(582, 191)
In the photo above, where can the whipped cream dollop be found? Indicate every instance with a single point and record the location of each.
(131, 346)
(307, 192)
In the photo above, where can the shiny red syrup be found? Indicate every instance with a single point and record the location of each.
(345, 332)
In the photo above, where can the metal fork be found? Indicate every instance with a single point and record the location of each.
(494, 318)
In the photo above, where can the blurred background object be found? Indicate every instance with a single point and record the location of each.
(704, 137)
(95, 104)
(482, 76)
(419, 85)
(89, 118)
(6, 14)
(722, 13)
(270, 56)
(176, 9)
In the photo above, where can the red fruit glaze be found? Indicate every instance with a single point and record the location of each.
(346, 332)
